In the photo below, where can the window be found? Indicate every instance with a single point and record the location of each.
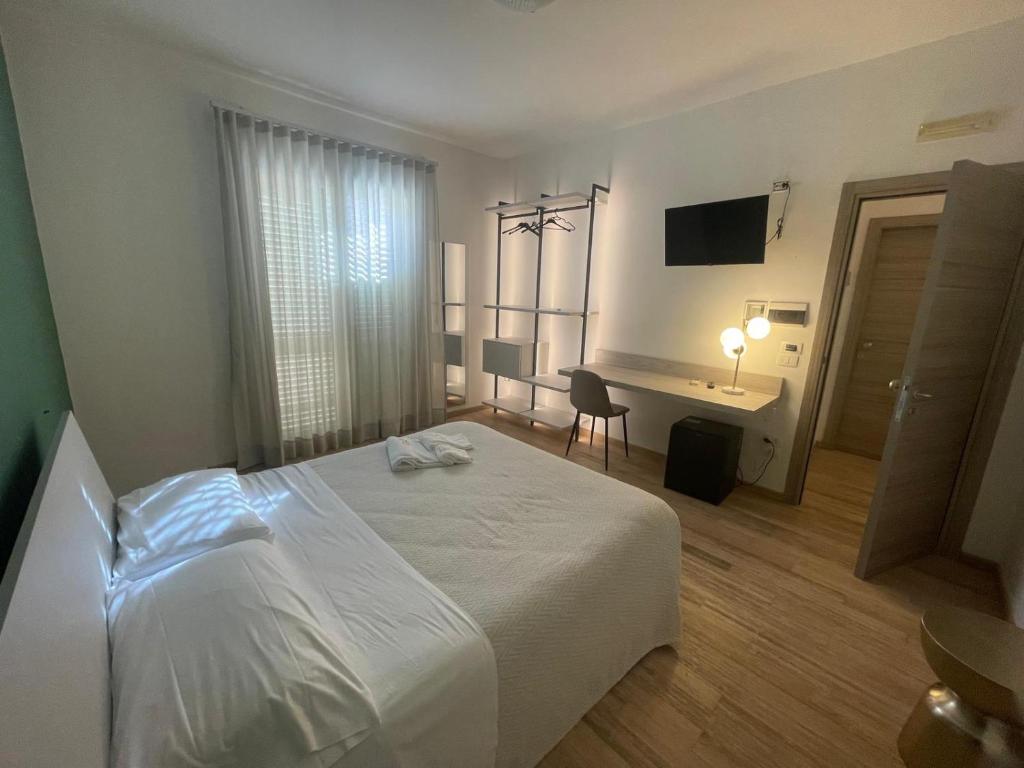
(301, 276)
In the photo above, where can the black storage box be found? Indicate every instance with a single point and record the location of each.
(703, 456)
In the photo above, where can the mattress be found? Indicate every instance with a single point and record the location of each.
(573, 576)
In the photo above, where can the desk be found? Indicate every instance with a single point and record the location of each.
(671, 379)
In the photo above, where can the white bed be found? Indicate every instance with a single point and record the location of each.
(572, 576)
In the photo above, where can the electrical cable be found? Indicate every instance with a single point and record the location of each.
(756, 480)
(780, 222)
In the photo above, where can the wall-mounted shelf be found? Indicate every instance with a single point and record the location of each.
(515, 405)
(520, 364)
(552, 417)
(512, 209)
(551, 203)
(453, 303)
(540, 310)
(550, 381)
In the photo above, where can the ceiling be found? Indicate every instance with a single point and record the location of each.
(504, 83)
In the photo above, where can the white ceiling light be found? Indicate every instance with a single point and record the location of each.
(525, 6)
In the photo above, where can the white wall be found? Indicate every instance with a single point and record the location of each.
(855, 123)
(872, 209)
(119, 145)
(996, 532)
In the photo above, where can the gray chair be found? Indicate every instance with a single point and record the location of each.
(589, 396)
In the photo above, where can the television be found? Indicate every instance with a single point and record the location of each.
(726, 232)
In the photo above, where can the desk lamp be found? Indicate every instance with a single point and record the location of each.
(734, 345)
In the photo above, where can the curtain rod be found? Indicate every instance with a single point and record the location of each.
(292, 126)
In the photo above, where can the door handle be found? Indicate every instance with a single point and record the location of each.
(867, 345)
(902, 400)
(919, 395)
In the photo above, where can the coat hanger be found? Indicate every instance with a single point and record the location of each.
(520, 227)
(558, 222)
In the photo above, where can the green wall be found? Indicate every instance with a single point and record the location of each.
(33, 387)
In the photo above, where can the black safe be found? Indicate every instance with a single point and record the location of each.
(703, 456)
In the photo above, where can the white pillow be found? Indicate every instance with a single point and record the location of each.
(223, 663)
(178, 518)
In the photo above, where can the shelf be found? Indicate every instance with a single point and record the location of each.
(453, 303)
(508, 404)
(550, 381)
(568, 200)
(552, 417)
(454, 333)
(518, 341)
(512, 209)
(554, 202)
(456, 388)
(539, 310)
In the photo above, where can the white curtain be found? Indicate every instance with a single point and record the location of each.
(332, 253)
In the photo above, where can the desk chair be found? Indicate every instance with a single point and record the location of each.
(589, 396)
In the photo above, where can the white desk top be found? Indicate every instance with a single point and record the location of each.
(677, 388)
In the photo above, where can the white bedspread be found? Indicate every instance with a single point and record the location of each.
(428, 667)
(574, 576)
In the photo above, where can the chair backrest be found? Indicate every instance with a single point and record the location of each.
(589, 395)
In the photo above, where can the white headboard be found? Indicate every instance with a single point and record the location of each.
(54, 655)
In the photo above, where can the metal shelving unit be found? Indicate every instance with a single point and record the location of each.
(542, 206)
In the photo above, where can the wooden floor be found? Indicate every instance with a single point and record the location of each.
(787, 659)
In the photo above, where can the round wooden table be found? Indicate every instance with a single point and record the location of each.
(975, 715)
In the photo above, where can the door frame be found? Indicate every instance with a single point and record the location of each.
(997, 384)
(853, 194)
(858, 306)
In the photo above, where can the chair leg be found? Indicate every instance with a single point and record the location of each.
(605, 443)
(572, 432)
(625, 437)
(593, 424)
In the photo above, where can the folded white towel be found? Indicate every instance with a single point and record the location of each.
(427, 449)
(448, 454)
(433, 439)
(405, 454)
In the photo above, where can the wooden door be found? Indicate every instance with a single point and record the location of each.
(895, 258)
(976, 253)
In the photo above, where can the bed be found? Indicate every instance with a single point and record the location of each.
(573, 577)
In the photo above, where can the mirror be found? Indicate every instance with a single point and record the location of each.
(453, 313)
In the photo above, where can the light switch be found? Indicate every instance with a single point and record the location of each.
(791, 348)
(788, 361)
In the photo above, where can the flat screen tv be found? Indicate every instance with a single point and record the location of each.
(726, 232)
